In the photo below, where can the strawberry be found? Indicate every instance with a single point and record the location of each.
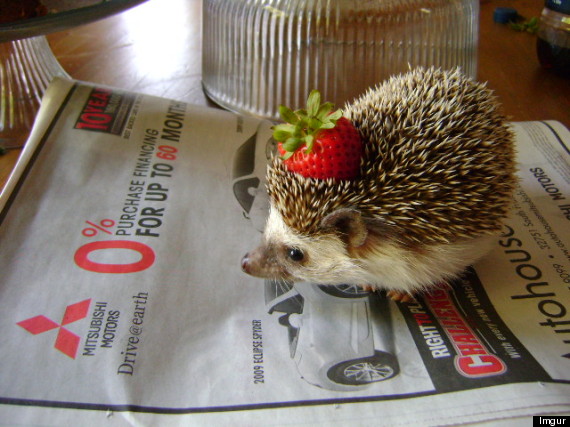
(318, 142)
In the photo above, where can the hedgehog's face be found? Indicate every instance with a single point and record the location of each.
(351, 250)
(287, 254)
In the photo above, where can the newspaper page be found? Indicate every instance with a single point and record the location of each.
(123, 300)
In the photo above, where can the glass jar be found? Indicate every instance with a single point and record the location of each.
(553, 41)
(258, 54)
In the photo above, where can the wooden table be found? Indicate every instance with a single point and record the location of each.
(155, 48)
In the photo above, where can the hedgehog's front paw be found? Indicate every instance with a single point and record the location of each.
(400, 296)
(368, 288)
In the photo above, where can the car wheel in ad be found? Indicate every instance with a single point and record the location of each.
(379, 367)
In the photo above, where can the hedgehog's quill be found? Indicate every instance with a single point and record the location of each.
(432, 187)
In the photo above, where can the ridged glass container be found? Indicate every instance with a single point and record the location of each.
(26, 68)
(258, 54)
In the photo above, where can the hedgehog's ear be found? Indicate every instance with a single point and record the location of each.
(349, 224)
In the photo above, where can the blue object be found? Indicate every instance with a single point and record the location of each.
(562, 6)
(504, 15)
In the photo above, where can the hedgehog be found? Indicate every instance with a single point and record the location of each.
(434, 183)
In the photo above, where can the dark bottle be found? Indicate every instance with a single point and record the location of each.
(553, 43)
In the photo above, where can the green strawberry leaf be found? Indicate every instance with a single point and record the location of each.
(302, 113)
(328, 125)
(324, 110)
(300, 127)
(313, 103)
(288, 115)
(281, 135)
(292, 144)
(335, 116)
(314, 123)
(309, 141)
(282, 132)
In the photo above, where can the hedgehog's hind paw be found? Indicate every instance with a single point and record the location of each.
(400, 296)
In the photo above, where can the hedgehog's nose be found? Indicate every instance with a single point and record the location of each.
(245, 264)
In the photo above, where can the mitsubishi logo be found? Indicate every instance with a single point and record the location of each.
(66, 342)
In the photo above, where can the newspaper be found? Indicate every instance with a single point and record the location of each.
(123, 302)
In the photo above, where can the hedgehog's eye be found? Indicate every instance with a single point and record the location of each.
(295, 254)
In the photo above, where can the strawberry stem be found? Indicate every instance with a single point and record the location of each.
(301, 126)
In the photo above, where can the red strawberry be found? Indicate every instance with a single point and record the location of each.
(317, 142)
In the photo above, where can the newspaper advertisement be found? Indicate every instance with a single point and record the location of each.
(123, 301)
